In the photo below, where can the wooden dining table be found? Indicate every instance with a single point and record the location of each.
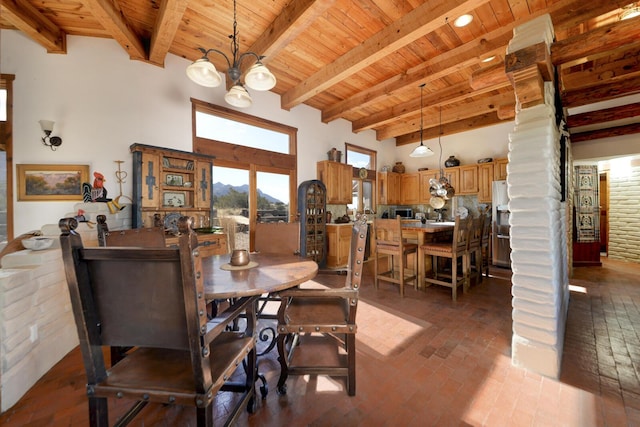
(425, 232)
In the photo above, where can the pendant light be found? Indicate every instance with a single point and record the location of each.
(421, 150)
(204, 73)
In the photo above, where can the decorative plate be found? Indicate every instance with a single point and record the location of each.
(436, 202)
(171, 222)
(363, 173)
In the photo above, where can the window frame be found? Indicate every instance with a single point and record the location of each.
(6, 144)
(252, 159)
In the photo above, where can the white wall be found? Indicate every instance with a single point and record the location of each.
(102, 102)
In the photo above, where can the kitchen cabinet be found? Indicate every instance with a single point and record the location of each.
(453, 175)
(339, 242)
(485, 180)
(389, 186)
(337, 178)
(169, 183)
(409, 188)
(500, 169)
(425, 185)
(468, 180)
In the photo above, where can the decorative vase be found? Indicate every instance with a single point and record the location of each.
(451, 162)
(398, 167)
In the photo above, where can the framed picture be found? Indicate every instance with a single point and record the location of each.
(51, 182)
(173, 199)
(174, 180)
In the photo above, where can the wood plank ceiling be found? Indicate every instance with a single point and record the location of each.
(364, 60)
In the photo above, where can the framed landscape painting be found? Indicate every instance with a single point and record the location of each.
(51, 182)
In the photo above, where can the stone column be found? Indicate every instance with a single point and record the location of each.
(538, 216)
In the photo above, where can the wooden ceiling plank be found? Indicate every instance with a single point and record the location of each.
(603, 116)
(29, 20)
(419, 22)
(604, 92)
(601, 39)
(165, 29)
(111, 17)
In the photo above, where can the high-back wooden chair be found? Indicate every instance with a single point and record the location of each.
(474, 258)
(150, 237)
(456, 250)
(313, 320)
(153, 299)
(277, 237)
(485, 244)
(390, 244)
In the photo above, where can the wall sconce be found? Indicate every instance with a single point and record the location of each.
(52, 142)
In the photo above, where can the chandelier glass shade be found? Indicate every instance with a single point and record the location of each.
(203, 72)
(421, 150)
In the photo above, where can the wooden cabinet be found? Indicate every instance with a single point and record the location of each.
(468, 180)
(169, 183)
(500, 169)
(485, 182)
(216, 242)
(409, 188)
(337, 178)
(389, 188)
(339, 241)
(453, 175)
(312, 196)
(425, 185)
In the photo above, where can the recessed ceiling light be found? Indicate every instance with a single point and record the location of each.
(463, 21)
(489, 59)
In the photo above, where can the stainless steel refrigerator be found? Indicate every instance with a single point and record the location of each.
(501, 248)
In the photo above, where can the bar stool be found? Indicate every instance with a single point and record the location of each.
(389, 242)
(474, 257)
(456, 250)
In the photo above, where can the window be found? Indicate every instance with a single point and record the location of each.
(6, 166)
(254, 173)
(363, 189)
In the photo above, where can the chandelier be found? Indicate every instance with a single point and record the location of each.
(421, 150)
(204, 73)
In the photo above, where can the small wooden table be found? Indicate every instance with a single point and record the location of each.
(273, 273)
(424, 230)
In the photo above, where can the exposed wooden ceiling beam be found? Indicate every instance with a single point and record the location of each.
(419, 22)
(603, 116)
(605, 133)
(29, 20)
(602, 39)
(481, 120)
(460, 111)
(112, 19)
(564, 14)
(606, 91)
(603, 70)
(165, 28)
(452, 94)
